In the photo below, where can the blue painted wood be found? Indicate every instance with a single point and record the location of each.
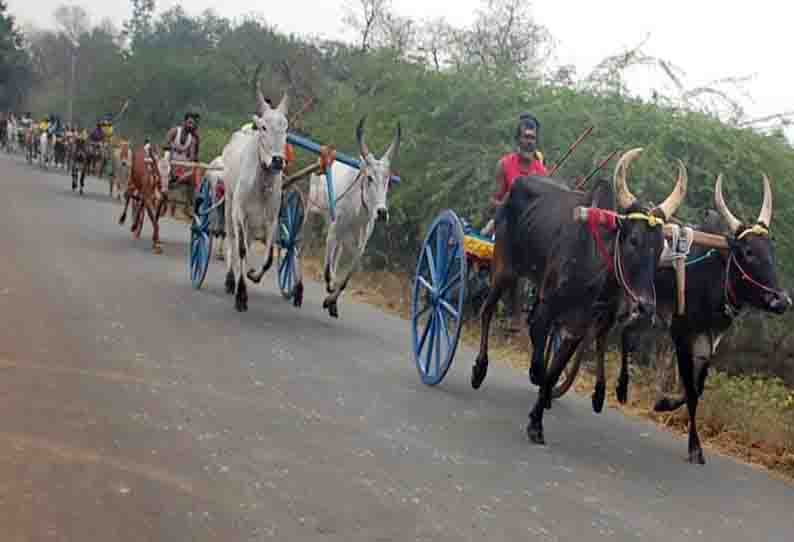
(437, 300)
(200, 238)
(309, 145)
(290, 226)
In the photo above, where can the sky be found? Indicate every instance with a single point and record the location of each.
(707, 39)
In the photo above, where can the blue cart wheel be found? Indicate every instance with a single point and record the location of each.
(200, 238)
(290, 229)
(437, 301)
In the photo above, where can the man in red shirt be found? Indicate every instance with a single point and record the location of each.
(526, 160)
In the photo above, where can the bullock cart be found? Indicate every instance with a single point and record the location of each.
(291, 215)
(452, 270)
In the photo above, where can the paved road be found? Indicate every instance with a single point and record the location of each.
(135, 409)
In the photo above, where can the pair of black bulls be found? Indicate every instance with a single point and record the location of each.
(604, 272)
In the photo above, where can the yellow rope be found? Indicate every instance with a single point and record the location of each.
(758, 229)
(652, 221)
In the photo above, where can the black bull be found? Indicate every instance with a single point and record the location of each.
(719, 286)
(582, 272)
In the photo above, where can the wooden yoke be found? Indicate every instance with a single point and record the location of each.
(326, 160)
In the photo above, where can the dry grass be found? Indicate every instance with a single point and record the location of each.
(747, 418)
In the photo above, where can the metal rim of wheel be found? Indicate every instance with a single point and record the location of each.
(438, 293)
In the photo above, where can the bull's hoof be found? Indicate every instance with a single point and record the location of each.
(599, 394)
(241, 302)
(330, 305)
(254, 277)
(664, 405)
(696, 457)
(622, 390)
(74, 186)
(297, 300)
(229, 283)
(536, 374)
(535, 432)
(478, 372)
(122, 219)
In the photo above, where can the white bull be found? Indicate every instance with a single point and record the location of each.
(360, 197)
(254, 172)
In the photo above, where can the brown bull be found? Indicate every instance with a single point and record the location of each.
(145, 189)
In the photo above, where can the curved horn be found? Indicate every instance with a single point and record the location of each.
(394, 147)
(624, 196)
(676, 197)
(719, 201)
(283, 105)
(765, 216)
(360, 137)
(261, 104)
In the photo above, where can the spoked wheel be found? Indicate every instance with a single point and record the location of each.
(290, 228)
(200, 238)
(437, 301)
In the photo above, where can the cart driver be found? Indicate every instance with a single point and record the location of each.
(183, 142)
(525, 160)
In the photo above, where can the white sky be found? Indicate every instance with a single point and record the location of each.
(708, 39)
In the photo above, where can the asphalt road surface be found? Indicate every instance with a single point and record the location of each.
(135, 408)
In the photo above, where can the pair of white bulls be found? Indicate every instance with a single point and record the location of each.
(253, 175)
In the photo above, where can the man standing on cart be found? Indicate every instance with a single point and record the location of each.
(524, 161)
(183, 142)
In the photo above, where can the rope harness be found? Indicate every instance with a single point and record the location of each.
(732, 306)
(597, 218)
(730, 289)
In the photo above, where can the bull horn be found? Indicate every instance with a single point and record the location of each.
(765, 216)
(360, 137)
(624, 196)
(719, 201)
(261, 104)
(394, 147)
(676, 198)
(283, 105)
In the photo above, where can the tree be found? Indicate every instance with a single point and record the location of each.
(73, 21)
(505, 37)
(138, 28)
(436, 43)
(365, 16)
(16, 74)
